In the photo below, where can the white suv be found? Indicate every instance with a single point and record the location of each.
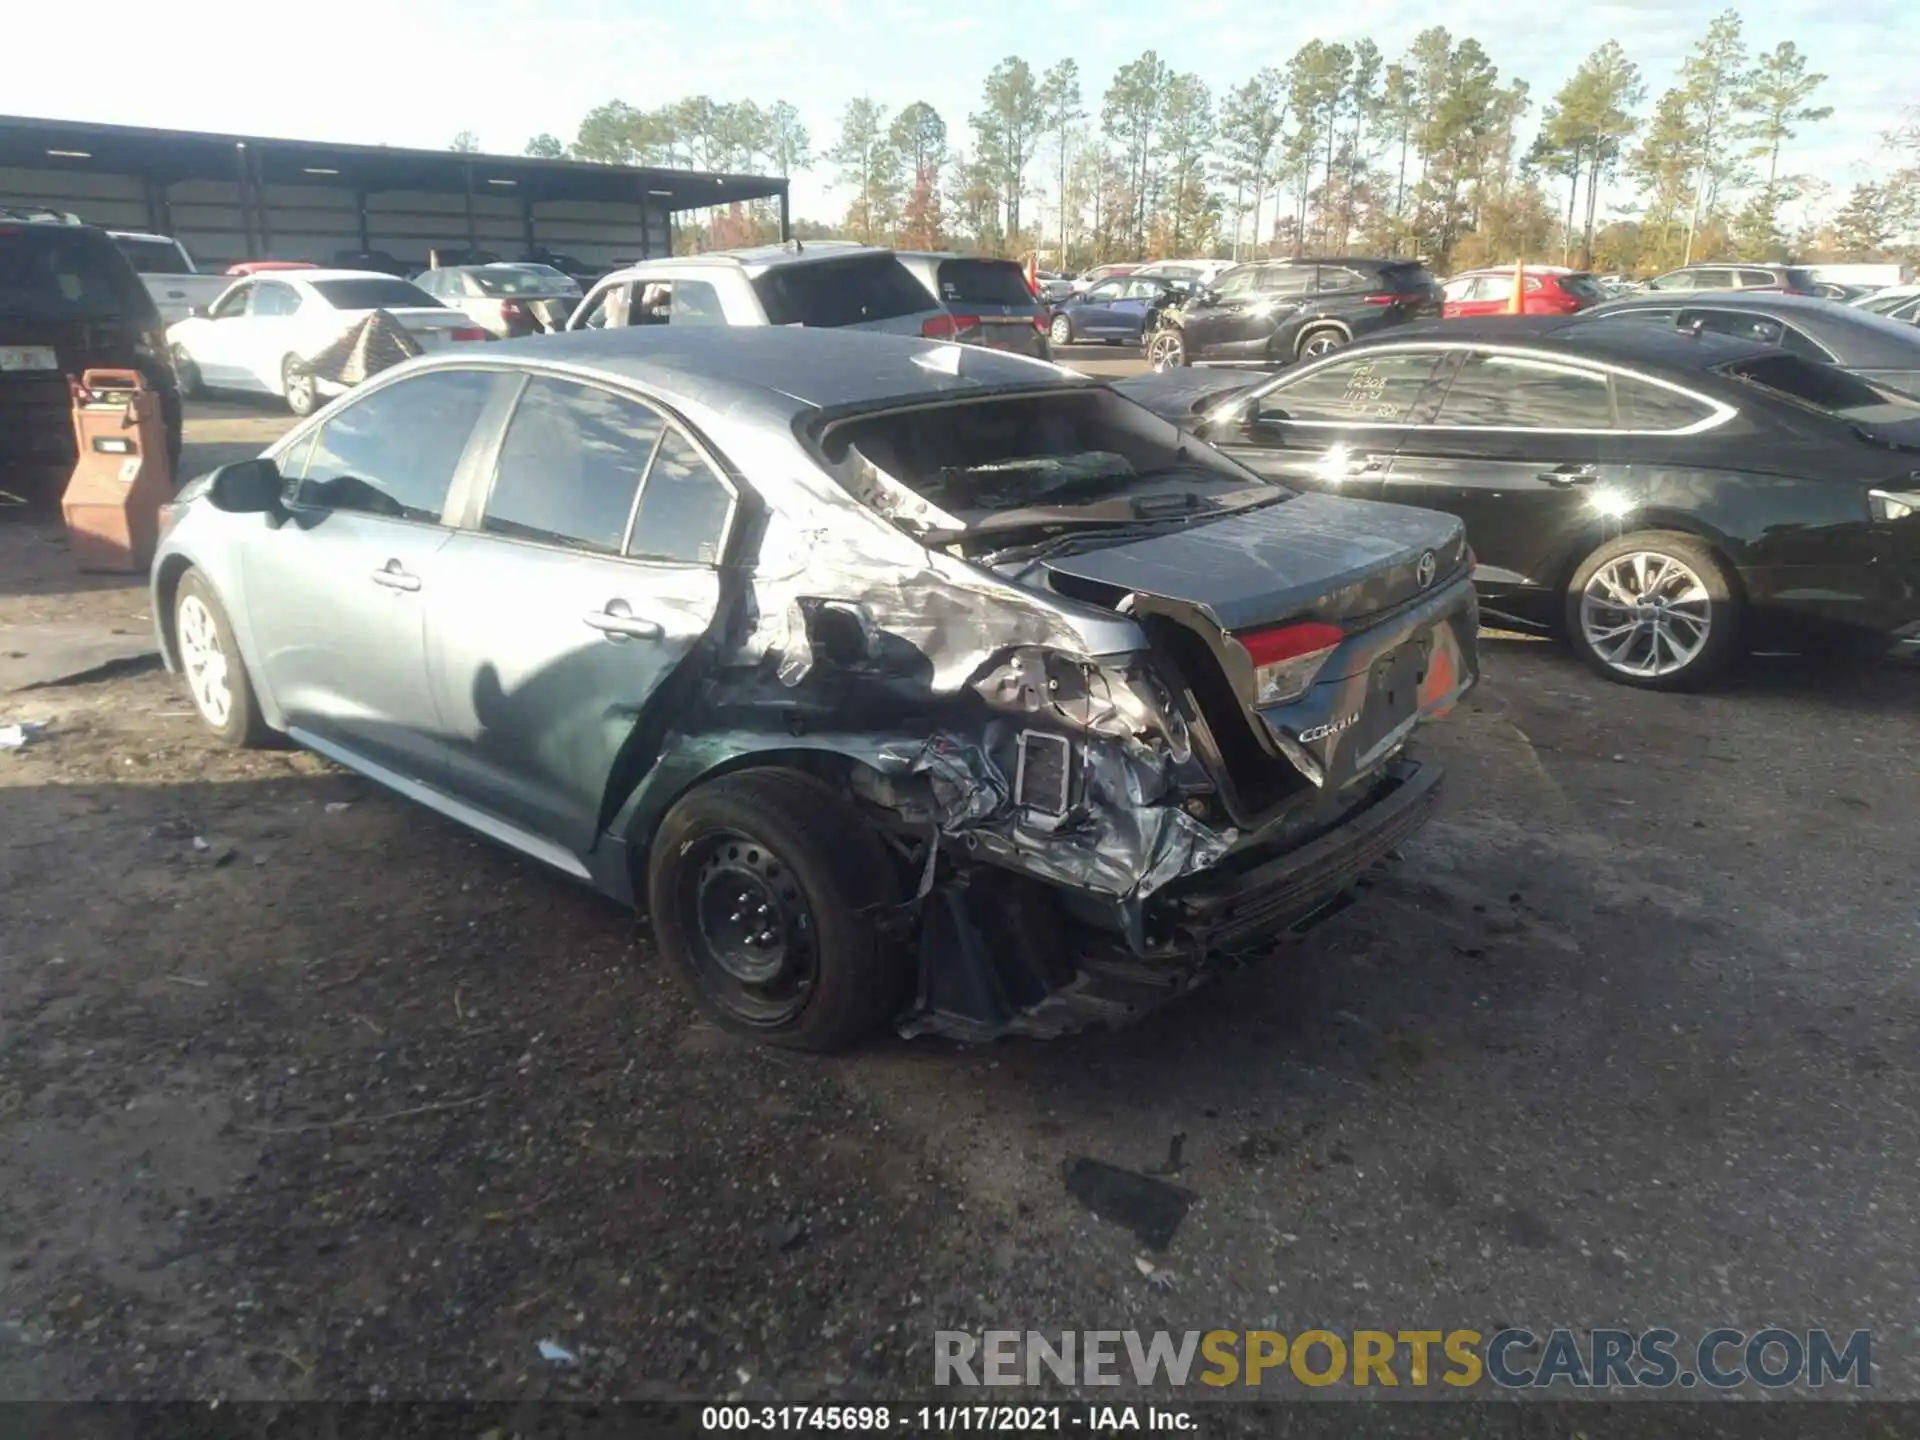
(834, 286)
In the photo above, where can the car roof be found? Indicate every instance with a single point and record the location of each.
(1732, 265)
(1730, 299)
(789, 368)
(307, 277)
(1631, 341)
(1335, 260)
(142, 235)
(757, 258)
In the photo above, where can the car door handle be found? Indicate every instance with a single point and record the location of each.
(394, 578)
(618, 622)
(1569, 475)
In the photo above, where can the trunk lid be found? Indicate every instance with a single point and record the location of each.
(1182, 395)
(1387, 583)
(1313, 557)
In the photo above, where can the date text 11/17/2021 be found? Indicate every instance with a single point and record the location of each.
(947, 1419)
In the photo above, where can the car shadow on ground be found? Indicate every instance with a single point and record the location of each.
(1760, 682)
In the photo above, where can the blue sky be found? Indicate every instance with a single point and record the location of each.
(414, 72)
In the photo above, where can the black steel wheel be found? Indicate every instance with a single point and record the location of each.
(767, 890)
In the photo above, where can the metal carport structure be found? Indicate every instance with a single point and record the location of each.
(249, 197)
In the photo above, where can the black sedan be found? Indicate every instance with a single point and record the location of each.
(1874, 347)
(1664, 498)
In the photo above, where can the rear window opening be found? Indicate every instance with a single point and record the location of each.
(373, 294)
(825, 294)
(154, 257)
(55, 272)
(533, 281)
(1583, 287)
(974, 460)
(1820, 387)
(1408, 279)
(983, 282)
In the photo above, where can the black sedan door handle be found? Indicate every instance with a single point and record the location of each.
(618, 622)
(1570, 475)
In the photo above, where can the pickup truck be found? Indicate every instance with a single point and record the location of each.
(169, 274)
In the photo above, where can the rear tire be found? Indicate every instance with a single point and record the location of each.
(1060, 330)
(768, 891)
(1656, 610)
(1316, 343)
(1167, 349)
(298, 385)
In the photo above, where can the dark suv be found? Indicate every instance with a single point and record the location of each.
(69, 302)
(1273, 312)
(1790, 279)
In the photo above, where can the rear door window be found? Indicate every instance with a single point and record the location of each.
(1713, 280)
(1751, 279)
(570, 466)
(1356, 390)
(1508, 392)
(1285, 280)
(1236, 282)
(1339, 278)
(683, 508)
(982, 282)
(394, 452)
(851, 291)
(1821, 386)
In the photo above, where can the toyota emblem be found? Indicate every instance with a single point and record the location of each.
(1424, 571)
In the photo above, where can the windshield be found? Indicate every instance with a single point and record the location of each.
(1583, 287)
(528, 280)
(154, 257)
(67, 273)
(374, 293)
(853, 291)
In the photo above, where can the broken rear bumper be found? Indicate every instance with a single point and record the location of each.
(1224, 912)
(1008, 956)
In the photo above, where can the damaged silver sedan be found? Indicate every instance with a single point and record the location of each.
(895, 681)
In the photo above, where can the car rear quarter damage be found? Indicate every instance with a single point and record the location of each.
(1091, 800)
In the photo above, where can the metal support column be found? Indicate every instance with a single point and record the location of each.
(473, 235)
(786, 223)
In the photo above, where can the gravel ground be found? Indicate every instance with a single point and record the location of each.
(305, 1093)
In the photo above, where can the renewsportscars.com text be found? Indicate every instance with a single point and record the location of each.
(1512, 1358)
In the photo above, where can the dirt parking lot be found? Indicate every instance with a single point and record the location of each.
(306, 1093)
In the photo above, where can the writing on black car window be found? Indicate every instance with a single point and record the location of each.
(1361, 389)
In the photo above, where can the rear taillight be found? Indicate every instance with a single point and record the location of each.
(467, 332)
(945, 327)
(1286, 658)
(1381, 299)
(512, 310)
(1040, 323)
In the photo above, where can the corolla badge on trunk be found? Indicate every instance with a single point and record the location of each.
(1425, 569)
(1321, 732)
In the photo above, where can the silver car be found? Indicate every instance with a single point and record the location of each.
(896, 680)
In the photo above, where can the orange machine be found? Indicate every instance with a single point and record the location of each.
(112, 503)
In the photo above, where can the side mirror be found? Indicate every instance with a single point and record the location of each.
(249, 487)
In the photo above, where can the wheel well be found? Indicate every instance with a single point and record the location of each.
(830, 766)
(166, 590)
(1592, 539)
(1314, 327)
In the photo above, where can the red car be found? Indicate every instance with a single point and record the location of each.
(261, 267)
(1550, 291)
